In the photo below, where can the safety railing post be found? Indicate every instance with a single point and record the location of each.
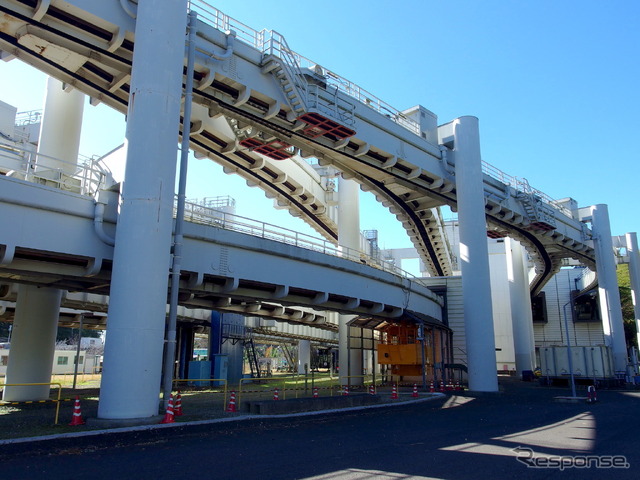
(56, 384)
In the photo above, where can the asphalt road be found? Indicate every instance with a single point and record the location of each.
(460, 437)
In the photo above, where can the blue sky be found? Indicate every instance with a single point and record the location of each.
(554, 84)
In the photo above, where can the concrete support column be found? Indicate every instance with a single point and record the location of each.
(521, 315)
(348, 236)
(37, 309)
(304, 355)
(33, 343)
(137, 307)
(634, 276)
(474, 257)
(608, 294)
(61, 127)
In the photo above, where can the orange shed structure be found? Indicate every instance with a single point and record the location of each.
(403, 351)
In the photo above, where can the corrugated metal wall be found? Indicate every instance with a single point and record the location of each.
(455, 313)
(557, 293)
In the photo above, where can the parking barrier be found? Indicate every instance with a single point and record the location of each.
(211, 381)
(57, 400)
(281, 384)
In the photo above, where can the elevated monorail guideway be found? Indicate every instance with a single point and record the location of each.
(258, 108)
(226, 266)
(257, 103)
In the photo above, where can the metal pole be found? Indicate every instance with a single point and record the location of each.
(421, 338)
(170, 352)
(75, 367)
(373, 357)
(566, 329)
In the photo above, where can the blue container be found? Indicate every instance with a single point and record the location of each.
(200, 369)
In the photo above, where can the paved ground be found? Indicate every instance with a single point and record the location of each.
(457, 437)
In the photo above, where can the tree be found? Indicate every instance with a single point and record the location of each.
(628, 314)
(68, 333)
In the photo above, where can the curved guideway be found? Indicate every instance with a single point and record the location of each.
(247, 92)
(53, 243)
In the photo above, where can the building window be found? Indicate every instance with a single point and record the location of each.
(4, 360)
(539, 308)
(63, 360)
(81, 359)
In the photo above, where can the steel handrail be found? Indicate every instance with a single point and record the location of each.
(217, 19)
(57, 401)
(522, 185)
(196, 213)
(210, 380)
(278, 380)
(256, 39)
(90, 173)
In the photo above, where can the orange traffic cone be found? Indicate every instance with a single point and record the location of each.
(177, 409)
(432, 388)
(232, 402)
(77, 414)
(315, 392)
(442, 386)
(372, 390)
(275, 394)
(415, 390)
(394, 391)
(345, 391)
(168, 416)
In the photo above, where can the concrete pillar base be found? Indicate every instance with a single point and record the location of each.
(33, 343)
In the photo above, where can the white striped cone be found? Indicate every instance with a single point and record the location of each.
(168, 416)
(315, 392)
(232, 402)
(276, 395)
(77, 414)
(372, 390)
(394, 391)
(415, 390)
(345, 390)
(177, 408)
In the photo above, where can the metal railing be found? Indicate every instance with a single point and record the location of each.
(522, 185)
(85, 178)
(257, 39)
(209, 382)
(267, 385)
(214, 17)
(28, 117)
(53, 384)
(273, 43)
(200, 214)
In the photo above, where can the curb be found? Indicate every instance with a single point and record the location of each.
(143, 428)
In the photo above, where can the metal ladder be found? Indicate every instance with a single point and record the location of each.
(289, 355)
(279, 60)
(535, 208)
(250, 348)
